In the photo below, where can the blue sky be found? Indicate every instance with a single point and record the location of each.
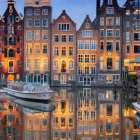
(76, 9)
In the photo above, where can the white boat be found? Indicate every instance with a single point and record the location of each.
(29, 91)
(137, 104)
(33, 106)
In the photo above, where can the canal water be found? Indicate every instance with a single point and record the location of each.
(73, 114)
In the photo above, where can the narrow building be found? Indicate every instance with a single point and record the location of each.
(63, 58)
(110, 30)
(87, 53)
(37, 26)
(131, 26)
(11, 44)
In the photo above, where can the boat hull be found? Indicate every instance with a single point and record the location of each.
(29, 96)
(137, 106)
(38, 106)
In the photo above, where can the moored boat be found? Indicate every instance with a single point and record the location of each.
(29, 91)
(137, 104)
(37, 106)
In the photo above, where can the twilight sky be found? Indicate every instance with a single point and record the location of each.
(76, 9)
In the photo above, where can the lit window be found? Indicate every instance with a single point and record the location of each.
(37, 64)
(45, 64)
(28, 48)
(55, 65)
(44, 35)
(71, 65)
(37, 35)
(28, 64)
(37, 48)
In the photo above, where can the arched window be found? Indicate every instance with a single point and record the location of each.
(11, 53)
(63, 66)
(71, 65)
(55, 65)
(10, 19)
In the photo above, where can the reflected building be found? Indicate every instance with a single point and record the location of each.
(87, 122)
(109, 115)
(10, 122)
(64, 117)
(36, 126)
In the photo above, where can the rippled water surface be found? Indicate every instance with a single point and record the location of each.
(73, 114)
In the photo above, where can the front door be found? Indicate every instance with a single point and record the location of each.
(87, 81)
(63, 79)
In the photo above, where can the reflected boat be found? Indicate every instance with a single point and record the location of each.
(34, 106)
(29, 91)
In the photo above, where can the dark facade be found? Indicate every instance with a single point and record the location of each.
(110, 33)
(131, 28)
(11, 44)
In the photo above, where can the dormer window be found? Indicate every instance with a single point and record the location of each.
(109, 2)
(10, 19)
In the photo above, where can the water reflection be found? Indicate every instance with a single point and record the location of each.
(80, 114)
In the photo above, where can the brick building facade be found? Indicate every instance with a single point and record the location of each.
(11, 44)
